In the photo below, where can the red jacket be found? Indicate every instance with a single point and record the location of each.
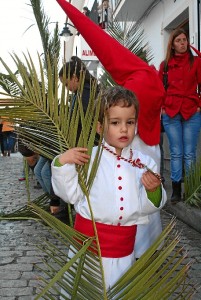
(127, 70)
(181, 96)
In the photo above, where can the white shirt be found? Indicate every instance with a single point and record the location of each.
(148, 233)
(116, 191)
(116, 196)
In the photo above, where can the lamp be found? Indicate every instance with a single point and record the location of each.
(66, 33)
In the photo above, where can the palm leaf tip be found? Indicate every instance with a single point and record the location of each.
(192, 185)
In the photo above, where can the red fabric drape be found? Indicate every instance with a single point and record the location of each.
(196, 51)
(127, 70)
(115, 241)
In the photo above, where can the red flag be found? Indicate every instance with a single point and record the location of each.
(127, 70)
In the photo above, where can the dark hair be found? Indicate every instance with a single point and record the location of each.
(115, 95)
(75, 67)
(170, 51)
(87, 11)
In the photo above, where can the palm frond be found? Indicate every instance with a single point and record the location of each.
(8, 85)
(50, 43)
(192, 185)
(37, 119)
(158, 274)
(44, 120)
(131, 35)
(79, 279)
(25, 212)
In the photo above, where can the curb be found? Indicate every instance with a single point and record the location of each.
(187, 214)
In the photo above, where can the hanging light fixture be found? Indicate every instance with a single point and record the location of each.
(66, 33)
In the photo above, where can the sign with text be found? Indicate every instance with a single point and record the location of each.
(86, 53)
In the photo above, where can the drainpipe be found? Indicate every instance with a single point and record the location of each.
(198, 18)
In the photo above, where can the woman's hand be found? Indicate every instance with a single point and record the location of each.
(150, 181)
(74, 156)
(54, 209)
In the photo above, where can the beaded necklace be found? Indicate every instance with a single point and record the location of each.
(134, 162)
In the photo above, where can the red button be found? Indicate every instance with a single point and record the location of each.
(118, 166)
(120, 187)
(121, 208)
(120, 178)
(118, 158)
(121, 198)
(120, 218)
(119, 224)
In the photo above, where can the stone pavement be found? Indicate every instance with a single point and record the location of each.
(18, 253)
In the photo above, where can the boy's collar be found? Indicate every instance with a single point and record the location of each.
(125, 151)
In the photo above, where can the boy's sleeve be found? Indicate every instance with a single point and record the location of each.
(155, 197)
(57, 162)
(65, 182)
(150, 201)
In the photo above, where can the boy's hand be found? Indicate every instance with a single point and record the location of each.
(74, 156)
(150, 181)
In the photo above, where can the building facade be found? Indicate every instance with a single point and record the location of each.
(159, 18)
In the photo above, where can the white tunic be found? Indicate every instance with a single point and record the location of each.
(148, 233)
(117, 196)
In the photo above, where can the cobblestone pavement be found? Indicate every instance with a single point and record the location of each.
(18, 276)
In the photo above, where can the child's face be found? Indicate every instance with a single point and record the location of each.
(119, 129)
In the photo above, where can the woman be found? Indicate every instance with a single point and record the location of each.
(75, 70)
(72, 76)
(104, 14)
(181, 75)
(8, 136)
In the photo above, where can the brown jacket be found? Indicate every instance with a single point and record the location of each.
(7, 126)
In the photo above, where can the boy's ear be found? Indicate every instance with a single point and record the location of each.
(99, 128)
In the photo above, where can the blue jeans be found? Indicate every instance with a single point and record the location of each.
(42, 172)
(8, 140)
(183, 138)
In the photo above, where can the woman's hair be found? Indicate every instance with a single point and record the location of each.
(87, 11)
(116, 95)
(170, 51)
(75, 67)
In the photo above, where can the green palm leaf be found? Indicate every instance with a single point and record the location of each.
(131, 35)
(50, 42)
(192, 185)
(8, 85)
(156, 275)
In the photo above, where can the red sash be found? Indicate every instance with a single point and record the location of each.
(115, 241)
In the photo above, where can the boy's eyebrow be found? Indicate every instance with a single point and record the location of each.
(118, 118)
